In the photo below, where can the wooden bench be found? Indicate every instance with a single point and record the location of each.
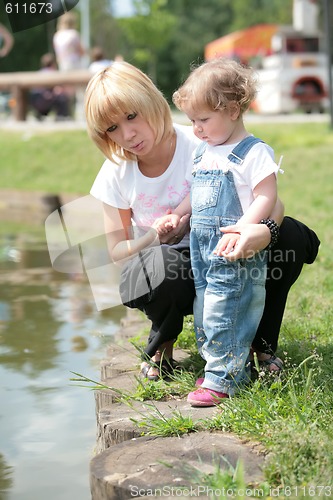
(19, 83)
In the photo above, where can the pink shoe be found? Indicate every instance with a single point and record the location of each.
(199, 382)
(205, 397)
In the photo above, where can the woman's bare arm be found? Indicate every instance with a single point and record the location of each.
(119, 234)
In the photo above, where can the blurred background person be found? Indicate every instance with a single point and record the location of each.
(70, 53)
(67, 44)
(45, 100)
(6, 44)
(6, 41)
(98, 60)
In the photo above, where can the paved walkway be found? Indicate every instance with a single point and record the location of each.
(50, 125)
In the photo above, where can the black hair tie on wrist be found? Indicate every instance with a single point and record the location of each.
(274, 230)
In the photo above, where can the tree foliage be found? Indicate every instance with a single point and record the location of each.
(261, 11)
(105, 31)
(196, 24)
(148, 32)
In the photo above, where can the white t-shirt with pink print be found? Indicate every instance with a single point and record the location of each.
(124, 185)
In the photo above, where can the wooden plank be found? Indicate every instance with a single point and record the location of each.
(29, 79)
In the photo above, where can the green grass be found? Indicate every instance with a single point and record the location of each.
(292, 416)
(57, 162)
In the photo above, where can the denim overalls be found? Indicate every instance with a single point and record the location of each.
(230, 296)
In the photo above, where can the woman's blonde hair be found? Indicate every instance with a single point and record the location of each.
(122, 88)
(215, 84)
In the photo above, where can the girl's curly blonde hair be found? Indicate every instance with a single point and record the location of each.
(215, 84)
(122, 88)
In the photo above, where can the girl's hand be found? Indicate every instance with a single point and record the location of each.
(165, 224)
(227, 244)
(177, 234)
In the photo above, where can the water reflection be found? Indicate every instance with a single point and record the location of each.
(49, 326)
(6, 480)
(29, 335)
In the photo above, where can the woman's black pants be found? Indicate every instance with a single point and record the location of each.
(167, 304)
(297, 245)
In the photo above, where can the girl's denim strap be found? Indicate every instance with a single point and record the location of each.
(239, 152)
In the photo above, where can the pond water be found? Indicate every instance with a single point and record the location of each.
(49, 327)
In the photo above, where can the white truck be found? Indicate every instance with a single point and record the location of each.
(294, 77)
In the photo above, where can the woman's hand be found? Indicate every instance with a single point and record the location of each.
(253, 238)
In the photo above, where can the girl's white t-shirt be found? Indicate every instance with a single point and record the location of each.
(124, 186)
(257, 165)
